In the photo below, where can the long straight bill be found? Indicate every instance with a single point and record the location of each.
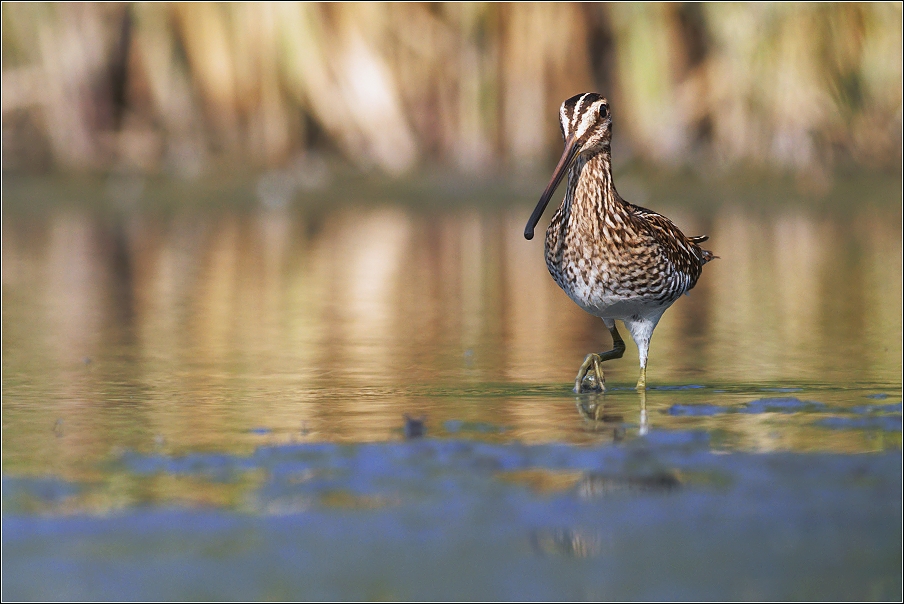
(568, 155)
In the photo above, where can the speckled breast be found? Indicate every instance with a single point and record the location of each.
(609, 280)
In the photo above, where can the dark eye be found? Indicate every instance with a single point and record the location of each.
(604, 111)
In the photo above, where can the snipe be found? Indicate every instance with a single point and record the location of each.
(616, 260)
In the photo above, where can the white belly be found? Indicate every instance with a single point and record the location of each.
(592, 292)
(613, 306)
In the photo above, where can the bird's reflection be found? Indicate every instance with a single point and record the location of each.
(643, 427)
(595, 485)
(572, 543)
(600, 418)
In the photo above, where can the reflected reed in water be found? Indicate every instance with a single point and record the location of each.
(193, 329)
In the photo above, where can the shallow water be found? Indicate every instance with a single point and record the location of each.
(209, 400)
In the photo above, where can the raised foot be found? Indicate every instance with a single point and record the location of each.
(590, 377)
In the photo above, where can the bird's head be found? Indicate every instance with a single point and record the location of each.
(586, 124)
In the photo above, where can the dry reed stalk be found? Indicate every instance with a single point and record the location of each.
(476, 86)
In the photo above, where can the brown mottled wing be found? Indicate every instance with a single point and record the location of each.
(682, 251)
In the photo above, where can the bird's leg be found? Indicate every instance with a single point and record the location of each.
(641, 329)
(594, 359)
(642, 380)
(596, 382)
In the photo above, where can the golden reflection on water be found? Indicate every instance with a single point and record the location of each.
(188, 331)
(793, 300)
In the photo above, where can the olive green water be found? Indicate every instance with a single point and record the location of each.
(206, 398)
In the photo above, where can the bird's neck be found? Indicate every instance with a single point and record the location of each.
(590, 206)
(591, 193)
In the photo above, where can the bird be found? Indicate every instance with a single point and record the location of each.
(616, 260)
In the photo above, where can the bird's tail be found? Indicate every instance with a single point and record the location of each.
(706, 254)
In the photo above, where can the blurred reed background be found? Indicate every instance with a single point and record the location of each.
(185, 88)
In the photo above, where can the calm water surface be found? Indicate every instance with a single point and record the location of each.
(208, 401)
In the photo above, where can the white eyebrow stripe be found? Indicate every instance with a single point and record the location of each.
(563, 119)
(587, 120)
